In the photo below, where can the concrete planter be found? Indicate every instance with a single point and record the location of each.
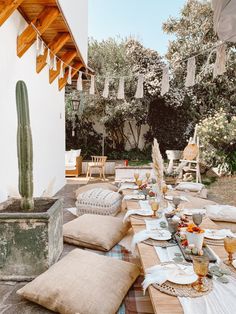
(30, 242)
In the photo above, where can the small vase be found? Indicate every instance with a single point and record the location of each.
(196, 239)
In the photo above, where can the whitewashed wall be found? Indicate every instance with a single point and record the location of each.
(46, 113)
(76, 14)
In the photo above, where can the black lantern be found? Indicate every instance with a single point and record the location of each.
(75, 104)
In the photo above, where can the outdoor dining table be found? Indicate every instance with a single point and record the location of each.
(163, 303)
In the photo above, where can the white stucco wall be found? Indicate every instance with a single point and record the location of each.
(46, 113)
(76, 14)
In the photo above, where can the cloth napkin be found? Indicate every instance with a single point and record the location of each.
(128, 186)
(219, 233)
(145, 234)
(141, 212)
(133, 197)
(221, 300)
(72, 210)
(159, 274)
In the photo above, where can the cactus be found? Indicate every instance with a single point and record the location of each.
(24, 148)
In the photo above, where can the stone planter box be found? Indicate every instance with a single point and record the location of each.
(30, 242)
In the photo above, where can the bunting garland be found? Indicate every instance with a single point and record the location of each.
(139, 91)
(165, 84)
(219, 68)
(191, 71)
(121, 88)
(79, 82)
(69, 78)
(92, 86)
(105, 93)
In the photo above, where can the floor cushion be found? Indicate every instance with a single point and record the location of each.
(221, 212)
(95, 231)
(190, 186)
(99, 201)
(82, 282)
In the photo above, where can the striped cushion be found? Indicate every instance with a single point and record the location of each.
(99, 202)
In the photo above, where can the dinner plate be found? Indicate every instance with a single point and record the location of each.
(162, 235)
(183, 279)
(191, 211)
(212, 234)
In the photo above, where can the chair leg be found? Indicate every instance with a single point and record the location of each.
(87, 174)
(103, 173)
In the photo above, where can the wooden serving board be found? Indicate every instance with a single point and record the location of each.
(189, 257)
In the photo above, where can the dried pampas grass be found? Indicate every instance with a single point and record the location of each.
(157, 163)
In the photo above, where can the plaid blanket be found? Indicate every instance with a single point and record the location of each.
(135, 302)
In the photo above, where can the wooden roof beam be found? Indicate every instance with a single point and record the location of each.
(42, 22)
(63, 81)
(66, 58)
(58, 42)
(7, 8)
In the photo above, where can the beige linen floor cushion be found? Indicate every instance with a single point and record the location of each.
(95, 231)
(99, 201)
(82, 283)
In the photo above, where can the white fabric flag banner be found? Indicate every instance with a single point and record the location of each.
(105, 93)
(165, 84)
(48, 58)
(69, 78)
(92, 85)
(139, 90)
(191, 71)
(219, 67)
(54, 63)
(121, 89)
(79, 82)
(38, 43)
(41, 49)
(61, 75)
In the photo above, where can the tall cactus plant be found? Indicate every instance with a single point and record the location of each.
(24, 148)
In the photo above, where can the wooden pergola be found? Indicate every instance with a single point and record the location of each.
(48, 18)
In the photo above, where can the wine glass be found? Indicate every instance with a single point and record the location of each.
(197, 219)
(230, 247)
(139, 183)
(164, 190)
(155, 206)
(148, 174)
(200, 266)
(136, 176)
(176, 201)
(172, 226)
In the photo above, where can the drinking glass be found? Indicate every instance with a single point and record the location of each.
(155, 206)
(176, 201)
(148, 174)
(136, 176)
(172, 226)
(164, 190)
(230, 247)
(197, 219)
(139, 183)
(200, 266)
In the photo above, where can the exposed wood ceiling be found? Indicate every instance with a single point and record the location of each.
(50, 22)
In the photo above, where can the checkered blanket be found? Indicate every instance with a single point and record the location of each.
(135, 302)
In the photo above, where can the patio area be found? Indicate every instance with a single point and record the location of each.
(118, 163)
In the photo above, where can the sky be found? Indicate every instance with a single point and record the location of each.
(140, 18)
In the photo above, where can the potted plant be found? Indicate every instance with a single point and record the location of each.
(30, 228)
(171, 177)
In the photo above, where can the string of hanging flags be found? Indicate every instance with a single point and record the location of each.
(219, 68)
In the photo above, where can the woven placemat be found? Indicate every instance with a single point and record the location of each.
(182, 290)
(159, 243)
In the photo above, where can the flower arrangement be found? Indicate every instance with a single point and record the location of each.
(192, 228)
(157, 163)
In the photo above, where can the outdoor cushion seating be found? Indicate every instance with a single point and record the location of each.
(73, 162)
(82, 282)
(221, 212)
(99, 201)
(95, 231)
(103, 185)
(190, 186)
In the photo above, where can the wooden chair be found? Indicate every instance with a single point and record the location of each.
(97, 162)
